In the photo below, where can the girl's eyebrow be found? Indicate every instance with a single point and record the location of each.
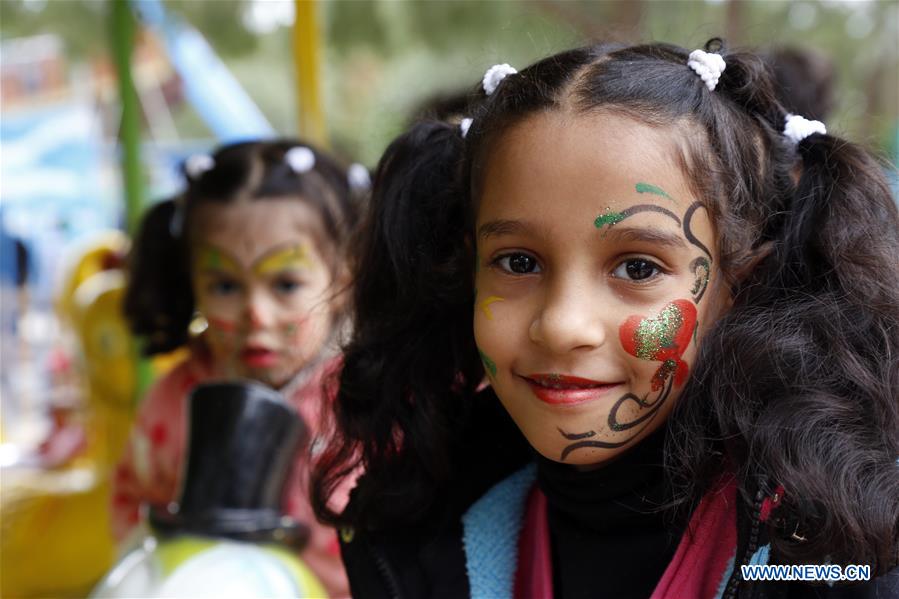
(648, 235)
(282, 257)
(212, 259)
(499, 227)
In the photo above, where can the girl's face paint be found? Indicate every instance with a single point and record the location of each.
(653, 189)
(211, 259)
(485, 305)
(608, 218)
(597, 269)
(489, 365)
(290, 258)
(260, 280)
(663, 338)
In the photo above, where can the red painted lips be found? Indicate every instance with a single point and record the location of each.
(559, 389)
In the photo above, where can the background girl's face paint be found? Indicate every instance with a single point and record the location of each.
(262, 283)
(290, 258)
(594, 337)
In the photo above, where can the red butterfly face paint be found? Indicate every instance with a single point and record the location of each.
(662, 338)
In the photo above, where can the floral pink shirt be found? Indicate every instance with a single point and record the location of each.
(150, 469)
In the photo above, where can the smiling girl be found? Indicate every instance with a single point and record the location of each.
(685, 302)
(247, 270)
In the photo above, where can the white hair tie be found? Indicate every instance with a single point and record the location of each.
(357, 177)
(708, 66)
(495, 75)
(798, 128)
(198, 164)
(464, 126)
(300, 159)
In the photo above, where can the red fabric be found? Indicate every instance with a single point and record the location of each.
(695, 571)
(534, 576)
(705, 550)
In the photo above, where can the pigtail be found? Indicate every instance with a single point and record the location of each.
(159, 300)
(797, 384)
(840, 246)
(809, 397)
(411, 363)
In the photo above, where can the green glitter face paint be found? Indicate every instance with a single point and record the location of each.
(653, 189)
(654, 334)
(608, 217)
(663, 338)
(489, 365)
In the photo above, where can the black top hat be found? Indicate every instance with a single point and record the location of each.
(242, 444)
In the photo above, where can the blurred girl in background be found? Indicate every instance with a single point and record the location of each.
(247, 270)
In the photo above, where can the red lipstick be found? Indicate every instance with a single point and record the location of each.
(560, 389)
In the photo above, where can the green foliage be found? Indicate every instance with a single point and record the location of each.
(383, 58)
(81, 24)
(221, 21)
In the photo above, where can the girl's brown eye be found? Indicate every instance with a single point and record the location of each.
(223, 287)
(287, 285)
(636, 269)
(518, 263)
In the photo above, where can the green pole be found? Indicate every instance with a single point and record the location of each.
(121, 36)
(122, 29)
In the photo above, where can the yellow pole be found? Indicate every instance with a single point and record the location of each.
(306, 56)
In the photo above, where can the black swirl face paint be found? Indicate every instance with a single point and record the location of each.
(688, 231)
(663, 338)
(652, 406)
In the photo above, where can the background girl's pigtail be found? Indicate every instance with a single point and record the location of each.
(159, 299)
(411, 363)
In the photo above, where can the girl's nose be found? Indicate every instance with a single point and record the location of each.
(260, 313)
(570, 319)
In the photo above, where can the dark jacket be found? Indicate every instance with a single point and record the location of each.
(428, 559)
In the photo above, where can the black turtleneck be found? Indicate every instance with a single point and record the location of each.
(609, 538)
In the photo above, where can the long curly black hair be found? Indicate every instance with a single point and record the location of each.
(795, 385)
